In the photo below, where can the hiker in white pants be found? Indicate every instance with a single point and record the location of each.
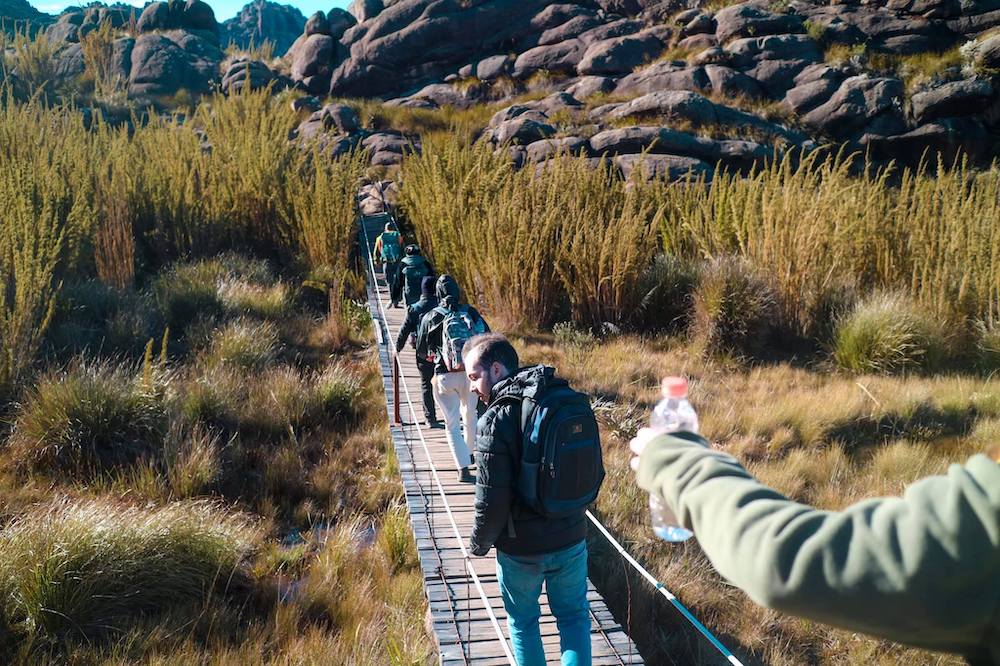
(457, 403)
(440, 337)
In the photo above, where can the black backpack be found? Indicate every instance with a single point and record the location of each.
(561, 467)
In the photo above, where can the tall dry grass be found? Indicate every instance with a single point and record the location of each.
(817, 228)
(531, 245)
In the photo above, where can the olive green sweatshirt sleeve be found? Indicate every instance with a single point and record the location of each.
(922, 569)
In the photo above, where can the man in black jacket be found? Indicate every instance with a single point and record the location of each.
(531, 548)
(414, 313)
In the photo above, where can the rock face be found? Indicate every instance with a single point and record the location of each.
(264, 20)
(20, 15)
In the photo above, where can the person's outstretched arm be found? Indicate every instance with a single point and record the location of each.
(922, 569)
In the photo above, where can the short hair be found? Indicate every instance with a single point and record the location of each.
(492, 348)
(388, 226)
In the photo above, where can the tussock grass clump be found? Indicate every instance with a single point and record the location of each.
(245, 343)
(888, 333)
(89, 418)
(244, 298)
(202, 289)
(734, 309)
(87, 569)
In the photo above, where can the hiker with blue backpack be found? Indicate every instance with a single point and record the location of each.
(442, 333)
(539, 466)
(389, 253)
(412, 271)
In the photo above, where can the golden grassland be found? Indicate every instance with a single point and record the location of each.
(836, 320)
(194, 464)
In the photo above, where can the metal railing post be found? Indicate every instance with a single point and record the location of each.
(395, 390)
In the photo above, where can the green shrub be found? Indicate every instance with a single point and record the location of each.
(245, 343)
(336, 393)
(192, 461)
(889, 333)
(89, 568)
(567, 333)
(734, 309)
(90, 418)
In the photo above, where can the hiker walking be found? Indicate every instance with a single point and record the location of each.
(922, 569)
(538, 468)
(414, 313)
(388, 252)
(412, 270)
(441, 336)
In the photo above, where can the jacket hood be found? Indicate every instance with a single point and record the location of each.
(427, 287)
(411, 259)
(537, 376)
(447, 288)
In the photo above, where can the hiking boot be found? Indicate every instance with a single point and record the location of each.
(465, 476)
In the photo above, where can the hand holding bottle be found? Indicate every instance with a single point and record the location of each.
(672, 414)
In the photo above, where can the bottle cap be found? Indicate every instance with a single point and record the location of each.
(675, 387)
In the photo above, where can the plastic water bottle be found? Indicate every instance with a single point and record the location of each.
(672, 414)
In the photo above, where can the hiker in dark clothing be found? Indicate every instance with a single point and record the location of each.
(412, 270)
(531, 548)
(414, 313)
(442, 331)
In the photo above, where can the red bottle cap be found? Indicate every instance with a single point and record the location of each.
(675, 387)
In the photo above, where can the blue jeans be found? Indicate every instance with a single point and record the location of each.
(565, 575)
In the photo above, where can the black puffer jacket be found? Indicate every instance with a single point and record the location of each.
(500, 519)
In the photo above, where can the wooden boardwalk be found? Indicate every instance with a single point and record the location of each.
(439, 506)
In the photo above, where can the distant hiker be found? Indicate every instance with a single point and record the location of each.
(414, 313)
(922, 569)
(440, 337)
(388, 252)
(412, 270)
(538, 468)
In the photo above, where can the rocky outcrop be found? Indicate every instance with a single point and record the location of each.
(20, 15)
(263, 20)
(246, 74)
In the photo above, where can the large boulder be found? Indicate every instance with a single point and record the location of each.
(340, 22)
(562, 58)
(198, 15)
(663, 76)
(314, 59)
(750, 20)
(522, 130)
(858, 102)
(619, 55)
(574, 27)
(364, 10)
(663, 167)
(245, 74)
(263, 20)
(158, 16)
(493, 67)
(317, 25)
(946, 139)
(163, 64)
(958, 98)
(987, 53)
(539, 151)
